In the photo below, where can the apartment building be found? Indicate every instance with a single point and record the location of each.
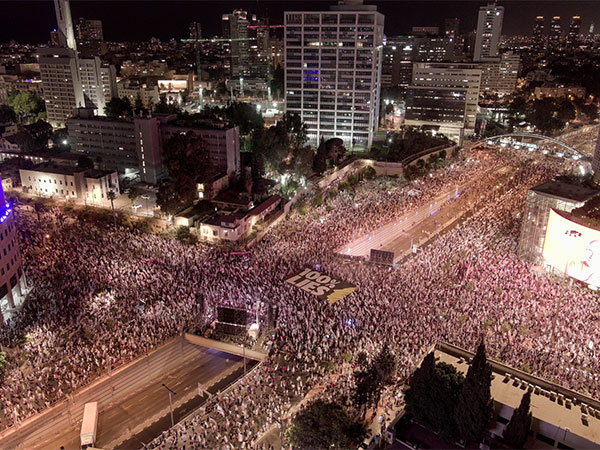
(333, 66)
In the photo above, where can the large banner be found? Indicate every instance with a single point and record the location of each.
(321, 285)
(573, 249)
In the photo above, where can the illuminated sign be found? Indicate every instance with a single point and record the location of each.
(573, 249)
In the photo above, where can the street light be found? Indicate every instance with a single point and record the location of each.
(170, 402)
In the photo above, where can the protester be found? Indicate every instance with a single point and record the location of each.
(103, 297)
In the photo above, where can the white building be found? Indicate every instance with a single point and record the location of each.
(444, 95)
(149, 95)
(135, 144)
(333, 71)
(61, 84)
(90, 187)
(489, 28)
(99, 83)
(500, 76)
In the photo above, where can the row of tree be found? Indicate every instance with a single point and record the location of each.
(458, 407)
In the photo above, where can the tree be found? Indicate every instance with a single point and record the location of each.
(41, 131)
(296, 130)
(323, 426)
(184, 95)
(372, 379)
(139, 103)
(432, 396)
(164, 107)
(133, 194)
(118, 107)
(335, 150)
(515, 433)
(302, 161)
(320, 161)
(475, 409)
(85, 162)
(27, 105)
(38, 207)
(186, 159)
(111, 196)
(7, 114)
(183, 234)
(565, 111)
(3, 361)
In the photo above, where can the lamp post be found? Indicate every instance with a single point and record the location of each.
(171, 392)
(244, 356)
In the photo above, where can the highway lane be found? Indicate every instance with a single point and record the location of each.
(416, 224)
(128, 419)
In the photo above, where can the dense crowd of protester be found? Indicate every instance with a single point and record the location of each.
(102, 297)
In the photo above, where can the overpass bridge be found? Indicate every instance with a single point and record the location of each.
(521, 141)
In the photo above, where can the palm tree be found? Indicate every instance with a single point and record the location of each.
(38, 207)
(111, 196)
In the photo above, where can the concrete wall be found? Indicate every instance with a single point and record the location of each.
(224, 347)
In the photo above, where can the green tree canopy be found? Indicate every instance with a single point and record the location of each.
(27, 105)
(320, 160)
(372, 379)
(474, 408)
(186, 160)
(515, 433)
(164, 107)
(323, 425)
(118, 107)
(432, 396)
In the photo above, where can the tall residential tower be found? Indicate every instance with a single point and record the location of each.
(489, 28)
(333, 71)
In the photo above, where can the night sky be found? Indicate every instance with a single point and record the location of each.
(31, 21)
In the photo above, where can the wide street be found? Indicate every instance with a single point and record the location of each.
(145, 414)
(419, 225)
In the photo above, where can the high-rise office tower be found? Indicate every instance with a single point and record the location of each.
(333, 71)
(574, 30)
(538, 28)
(235, 28)
(555, 29)
(89, 30)
(444, 95)
(489, 28)
(195, 30)
(90, 39)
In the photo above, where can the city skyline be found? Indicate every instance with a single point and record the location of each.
(166, 20)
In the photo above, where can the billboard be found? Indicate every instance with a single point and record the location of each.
(572, 248)
(321, 285)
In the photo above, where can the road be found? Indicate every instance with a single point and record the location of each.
(144, 415)
(420, 225)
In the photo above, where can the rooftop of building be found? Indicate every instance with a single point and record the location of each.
(56, 169)
(550, 402)
(68, 170)
(96, 173)
(568, 191)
